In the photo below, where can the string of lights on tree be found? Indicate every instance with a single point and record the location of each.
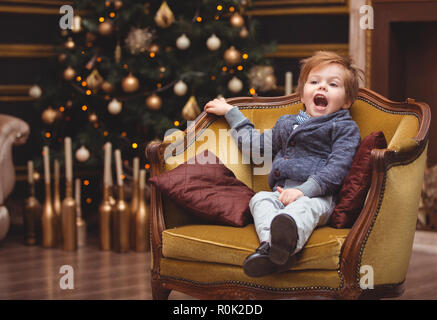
(129, 70)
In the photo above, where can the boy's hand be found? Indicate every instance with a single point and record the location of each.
(218, 107)
(289, 195)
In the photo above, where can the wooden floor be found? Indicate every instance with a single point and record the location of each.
(34, 273)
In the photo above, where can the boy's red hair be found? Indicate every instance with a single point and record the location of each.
(322, 58)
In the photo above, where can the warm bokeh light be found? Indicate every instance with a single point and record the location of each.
(86, 182)
(252, 91)
(134, 145)
(176, 123)
(84, 108)
(101, 19)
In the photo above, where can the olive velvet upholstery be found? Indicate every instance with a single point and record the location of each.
(205, 260)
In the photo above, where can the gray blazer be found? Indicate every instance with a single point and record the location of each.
(315, 157)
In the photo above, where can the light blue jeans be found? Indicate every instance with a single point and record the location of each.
(308, 213)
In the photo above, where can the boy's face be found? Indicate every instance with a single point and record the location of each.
(324, 91)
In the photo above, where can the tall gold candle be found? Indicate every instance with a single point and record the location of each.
(121, 213)
(68, 208)
(105, 208)
(80, 223)
(32, 211)
(142, 234)
(48, 219)
(134, 200)
(57, 199)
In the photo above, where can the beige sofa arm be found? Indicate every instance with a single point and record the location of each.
(13, 131)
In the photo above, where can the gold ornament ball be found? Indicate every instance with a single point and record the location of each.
(270, 82)
(154, 102)
(244, 33)
(106, 28)
(154, 48)
(70, 44)
(237, 20)
(49, 115)
(93, 117)
(69, 73)
(130, 83)
(62, 57)
(107, 87)
(232, 56)
(118, 4)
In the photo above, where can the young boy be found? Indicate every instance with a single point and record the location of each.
(312, 152)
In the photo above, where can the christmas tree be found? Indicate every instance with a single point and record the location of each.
(128, 70)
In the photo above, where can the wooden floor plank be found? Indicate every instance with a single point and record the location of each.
(32, 272)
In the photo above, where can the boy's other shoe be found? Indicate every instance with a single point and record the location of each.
(258, 264)
(283, 238)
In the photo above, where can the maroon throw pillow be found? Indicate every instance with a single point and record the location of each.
(357, 183)
(206, 187)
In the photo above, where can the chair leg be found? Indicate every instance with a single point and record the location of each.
(158, 291)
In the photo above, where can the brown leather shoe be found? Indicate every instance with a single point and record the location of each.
(258, 264)
(283, 238)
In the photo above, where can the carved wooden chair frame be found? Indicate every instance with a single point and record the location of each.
(351, 252)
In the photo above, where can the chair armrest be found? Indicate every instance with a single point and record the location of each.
(13, 131)
(383, 234)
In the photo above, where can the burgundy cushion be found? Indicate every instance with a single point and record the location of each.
(208, 189)
(356, 185)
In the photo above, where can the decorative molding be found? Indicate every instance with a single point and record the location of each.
(15, 92)
(12, 50)
(271, 3)
(41, 2)
(306, 50)
(287, 11)
(44, 7)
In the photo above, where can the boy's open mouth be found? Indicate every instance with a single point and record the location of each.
(320, 100)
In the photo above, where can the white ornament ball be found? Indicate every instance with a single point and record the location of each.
(235, 85)
(35, 91)
(114, 107)
(183, 42)
(82, 154)
(213, 43)
(180, 88)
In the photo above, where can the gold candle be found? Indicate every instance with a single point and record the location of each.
(105, 208)
(48, 215)
(121, 213)
(32, 212)
(68, 209)
(80, 223)
(142, 235)
(57, 200)
(134, 200)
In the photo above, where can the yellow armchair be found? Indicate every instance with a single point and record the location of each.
(370, 260)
